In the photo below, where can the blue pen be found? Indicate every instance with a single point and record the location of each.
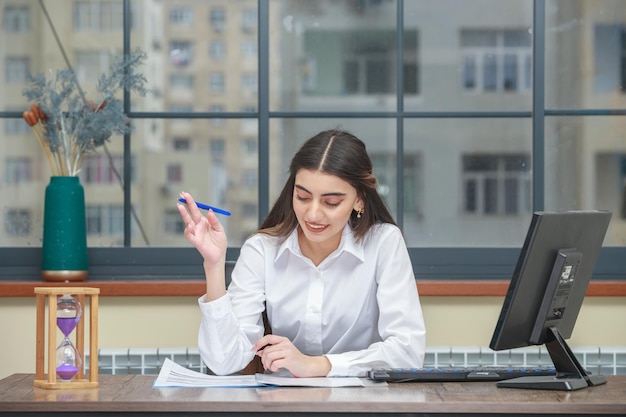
(206, 207)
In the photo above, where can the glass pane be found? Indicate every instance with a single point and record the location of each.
(337, 55)
(589, 154)
(592, 73)
(202, 55)
(465, 176)
(473, 59)
(287, 135)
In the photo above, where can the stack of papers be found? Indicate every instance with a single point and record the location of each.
(173, 375)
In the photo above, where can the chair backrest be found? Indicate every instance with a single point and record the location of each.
(255, 366)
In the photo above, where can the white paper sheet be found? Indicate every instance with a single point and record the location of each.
(173, 375)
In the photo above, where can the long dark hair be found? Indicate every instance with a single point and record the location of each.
(339, 153)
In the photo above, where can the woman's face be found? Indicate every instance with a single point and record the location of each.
(323, 204)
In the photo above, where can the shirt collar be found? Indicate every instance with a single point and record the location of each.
(347, 244)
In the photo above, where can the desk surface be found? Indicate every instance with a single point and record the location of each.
(134, 394)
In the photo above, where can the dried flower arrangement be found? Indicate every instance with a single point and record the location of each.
(67, 125)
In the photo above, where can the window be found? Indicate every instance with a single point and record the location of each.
(497, 184)
(172, 223)
(217, 50)
(180, 53)
(496, 60)
(217, 82)
(181, 81)
(104, 219)
(609, 58)
(249, 146)
(174, 173)
(218, 148)
(249, 49)
(17, 222)
(217, 121)
(97, 169)
(16, 19)
(18, 170)
(16, 127)
(102, 15)
(385, 166)
(217, 19)
(181, 144)
(181, 15)
(368, 67)
(442, 98)
(249, 82)
(180, 108)
(248, 20)
(90, 65)
(16, 69)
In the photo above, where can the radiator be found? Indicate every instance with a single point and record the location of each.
(597, 360)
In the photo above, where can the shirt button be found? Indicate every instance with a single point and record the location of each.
(315, 309)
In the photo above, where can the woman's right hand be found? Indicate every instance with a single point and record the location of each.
(205, 233)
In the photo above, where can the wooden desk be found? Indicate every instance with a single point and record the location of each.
(130, 394)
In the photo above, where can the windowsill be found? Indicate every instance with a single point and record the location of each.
(180, 288)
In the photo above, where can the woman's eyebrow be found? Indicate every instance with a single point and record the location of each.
(333, 194)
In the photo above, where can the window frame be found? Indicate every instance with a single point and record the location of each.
(437, 263)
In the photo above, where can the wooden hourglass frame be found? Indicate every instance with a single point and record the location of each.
(49, 380)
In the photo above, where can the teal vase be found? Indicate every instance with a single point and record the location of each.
(64, 247)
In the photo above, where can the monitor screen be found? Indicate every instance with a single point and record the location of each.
(546, 292)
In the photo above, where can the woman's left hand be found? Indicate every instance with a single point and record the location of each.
(278, 352)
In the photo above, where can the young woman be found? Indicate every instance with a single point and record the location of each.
(329, 266)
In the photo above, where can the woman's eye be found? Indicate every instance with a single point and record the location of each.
(301, 198)
(331, 204)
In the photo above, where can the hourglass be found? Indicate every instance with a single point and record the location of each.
(68, 360)
(65, 313)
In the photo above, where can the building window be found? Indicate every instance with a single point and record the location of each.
(98, 15)
(174, 173)
(18, 170)
(385, 166)
(217, 121)
(609, 58)
(218, 148)
(181, 81)
(172, 223)
(16, 19)
(217, 82)
(249, 82)
(497, 184)
(97, 169)
(249, 146)
(104, 219)
(249, 178)
(180, 53)
(368, 63)
(217, 50)
(217, 19)
(16, 69)
(180, 108)
(181, 144)
(17, 222)
(249, 49)
(90, 65)
(16, 127)
(181, 15)
(496, 60)
(248, 20)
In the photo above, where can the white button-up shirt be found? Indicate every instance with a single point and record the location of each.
(359, 307)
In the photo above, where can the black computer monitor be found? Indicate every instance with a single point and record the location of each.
(546, 292)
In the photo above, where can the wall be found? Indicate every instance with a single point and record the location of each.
(173, 322)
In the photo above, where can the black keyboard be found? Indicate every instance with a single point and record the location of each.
(455, 374)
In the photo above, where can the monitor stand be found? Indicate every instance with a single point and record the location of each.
(570, 375)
